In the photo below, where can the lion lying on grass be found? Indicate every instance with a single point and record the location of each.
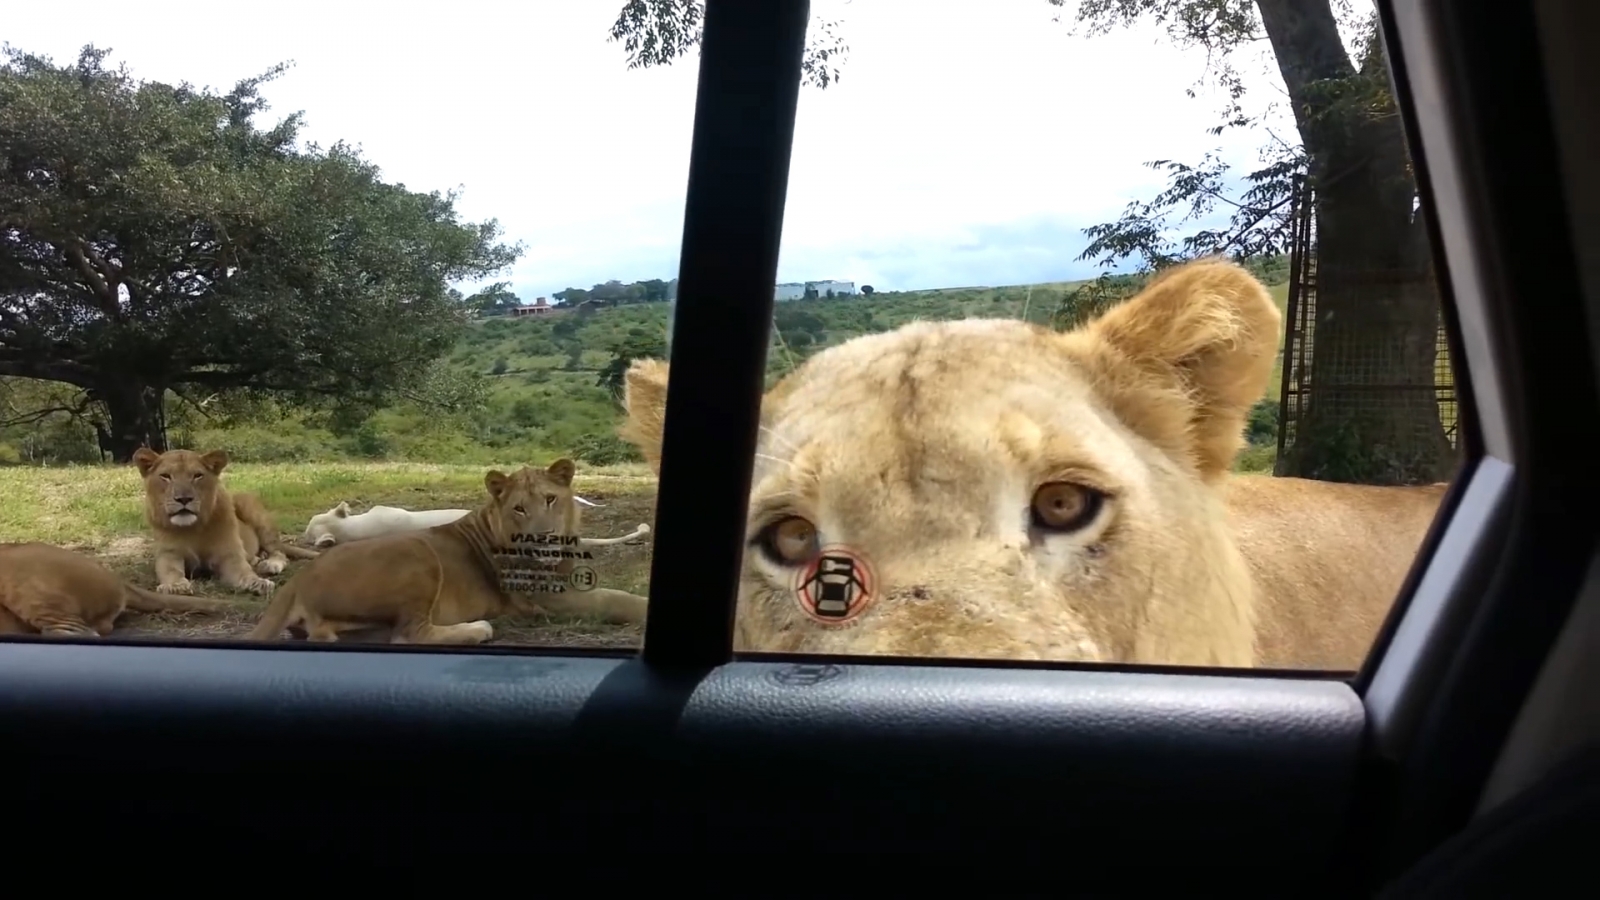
(1018, 493)
(45, 589)
(200, 527)
(443, 584)
(341, 526)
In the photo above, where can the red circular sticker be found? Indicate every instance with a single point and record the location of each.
(836, 586)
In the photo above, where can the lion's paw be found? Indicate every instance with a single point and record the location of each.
(270, 566)
(480, 631)
(258, 585)
(181, 586)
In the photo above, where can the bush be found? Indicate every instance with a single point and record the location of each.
(263, 445)
(1262, 426)
(604, 450)
(369, 442)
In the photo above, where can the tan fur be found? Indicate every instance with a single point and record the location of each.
(922, 448)
(440, 585)
(45, 589)
(229, 535)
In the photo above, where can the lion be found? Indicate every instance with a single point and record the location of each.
(441, 585)
(45, 589)
(1011, 492)
(201, 527)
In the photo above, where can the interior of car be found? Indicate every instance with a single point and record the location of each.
(1459, 761)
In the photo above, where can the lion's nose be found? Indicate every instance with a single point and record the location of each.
(184, 499)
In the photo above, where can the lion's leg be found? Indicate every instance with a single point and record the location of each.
(424, 632)
(273, 563)
(234, 570)
(172, 576)
(615, 607)
(50, 620)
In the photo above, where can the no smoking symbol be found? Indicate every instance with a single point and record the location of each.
(583, 578)
(836, 587)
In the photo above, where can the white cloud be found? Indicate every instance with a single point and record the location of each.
(966, 144)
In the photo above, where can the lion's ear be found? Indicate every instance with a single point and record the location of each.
(562, 471)
(215, 461)
(1183, 361)
(145, 459)
(496, 482)
(343, 509)
(644, 395)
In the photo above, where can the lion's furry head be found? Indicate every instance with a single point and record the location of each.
(531, 501)
(318, 532)
(180, 486)
(1015, 492)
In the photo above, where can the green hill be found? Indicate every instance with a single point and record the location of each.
(548, 383)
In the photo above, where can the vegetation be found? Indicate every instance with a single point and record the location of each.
(1378, 307)
(543, 385)
(157, 247)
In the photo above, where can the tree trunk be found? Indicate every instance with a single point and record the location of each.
(137, 416)
(1372, 415)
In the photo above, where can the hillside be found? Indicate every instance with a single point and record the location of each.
(547, 384)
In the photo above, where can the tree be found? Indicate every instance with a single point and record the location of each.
(614, 372)
(1377, 304)
(154, 240)
(657, 32)
(866, 289)
(1376, 299)
(495, 299)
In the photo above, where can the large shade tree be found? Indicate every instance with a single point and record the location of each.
(155, 241)
(1372, 415)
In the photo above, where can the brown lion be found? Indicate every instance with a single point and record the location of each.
(200, 527)
(441, 585)
(45, 589)
(1019, 493)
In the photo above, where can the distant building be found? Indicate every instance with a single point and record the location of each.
(790, 290)
(839, 288)
(539, 307)
(796, 290)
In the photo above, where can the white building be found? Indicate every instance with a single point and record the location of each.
(792, 290)
(839, 288)
(796, 290)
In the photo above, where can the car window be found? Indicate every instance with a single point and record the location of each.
(363, 291)
(1102, 332)
(1098, 336)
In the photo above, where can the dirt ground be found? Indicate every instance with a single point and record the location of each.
(622, 566)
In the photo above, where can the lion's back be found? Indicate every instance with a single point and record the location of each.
(362, 577)
(1328, 560)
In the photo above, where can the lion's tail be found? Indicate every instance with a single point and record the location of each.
(276, 615)
(140, 600)
(295, 552)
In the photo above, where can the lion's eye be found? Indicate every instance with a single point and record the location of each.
(165, 477)
(549, 500)
(519, 510)
(1064, 507)
(789, 541)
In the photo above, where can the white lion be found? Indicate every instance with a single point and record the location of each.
(340, 526)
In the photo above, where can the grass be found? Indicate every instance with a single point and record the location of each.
(98, 510)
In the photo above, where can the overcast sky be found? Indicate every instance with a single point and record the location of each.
(968, 143)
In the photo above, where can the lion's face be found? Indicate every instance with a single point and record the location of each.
(1013, 492)
(532, 501)
(180, 486)
(319, 531)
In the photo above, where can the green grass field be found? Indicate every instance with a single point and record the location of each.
(97, 510)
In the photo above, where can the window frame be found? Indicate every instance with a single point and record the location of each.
(1170, 763)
